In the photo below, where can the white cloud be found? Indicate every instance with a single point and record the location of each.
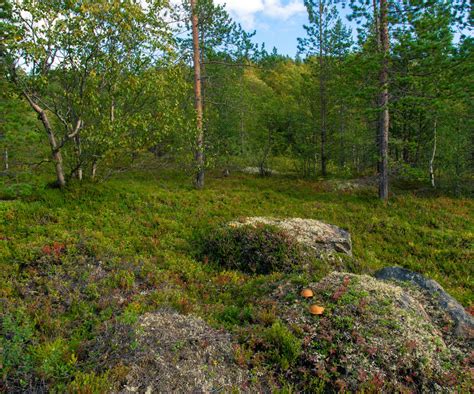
(246, 11)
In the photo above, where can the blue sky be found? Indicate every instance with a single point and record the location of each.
(278, 22)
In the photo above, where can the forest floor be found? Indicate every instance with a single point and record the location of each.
(74, 261)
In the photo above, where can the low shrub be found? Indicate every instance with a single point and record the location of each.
(257, 250)
(285, 347)
(234, 315)
(17, 363)
(15, 191)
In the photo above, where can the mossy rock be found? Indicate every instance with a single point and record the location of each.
(166, 352)
(262, 249)
(464, 322)
(372, 335)
(261, 245)
(321, 237)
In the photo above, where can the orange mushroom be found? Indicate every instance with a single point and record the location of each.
(316, 310)
(307, 293)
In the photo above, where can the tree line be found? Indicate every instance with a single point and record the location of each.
(100, 83)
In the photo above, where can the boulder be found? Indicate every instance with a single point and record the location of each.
(372, 336)
(341, 185)
(315, 234)
(464, 322)
(259, 171)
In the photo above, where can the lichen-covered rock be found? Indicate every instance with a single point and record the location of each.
(315, 234)
(259, 171)
(464, 323)
(372, 336)
(340, 185)
(182, 354)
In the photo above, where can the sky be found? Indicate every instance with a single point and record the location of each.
(278, 23)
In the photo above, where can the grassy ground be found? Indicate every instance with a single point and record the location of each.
(71, 261)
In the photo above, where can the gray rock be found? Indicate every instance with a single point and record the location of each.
(318, 235)
(464, 323)
(351, 184)
(258, 171)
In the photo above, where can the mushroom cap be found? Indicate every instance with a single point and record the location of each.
(316, 310)
(307, 293)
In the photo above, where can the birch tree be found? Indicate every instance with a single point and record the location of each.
(65, 57)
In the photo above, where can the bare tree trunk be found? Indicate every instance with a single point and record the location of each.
(5, 159)
(94, 169)
(385, 116)
(262, 166)
(342, 129)
(112, 111)
(55, 149)
(198, 99)
(322, 91)
(242, 112)
(435, 137)
(203, 73)
(78, 151)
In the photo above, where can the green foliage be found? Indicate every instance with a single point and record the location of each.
(99, 70)
(123, 279)
(284, 347)
(139, 254)
(76, 261)
(16, 190)
(121, 74)
(54, 360)
(90, 383)
(17, 334)
(235, 315)
(257, 250)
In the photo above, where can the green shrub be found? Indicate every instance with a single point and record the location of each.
(54, 360)
(284, 347)
(234, 315)
(90, 383)
(16, 334)
(16, 190)
(256, 250)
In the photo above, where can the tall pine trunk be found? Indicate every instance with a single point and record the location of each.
(322, 91)
(433, 154)
(198, 99)
(378, 121)
(5, 159)
(342, 132)
(384, 98)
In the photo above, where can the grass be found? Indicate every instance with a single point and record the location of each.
(72, 260)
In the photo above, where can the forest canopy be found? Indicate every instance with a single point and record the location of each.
(93, 87)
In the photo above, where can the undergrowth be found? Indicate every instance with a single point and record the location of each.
(75, 262)
(260, 250)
